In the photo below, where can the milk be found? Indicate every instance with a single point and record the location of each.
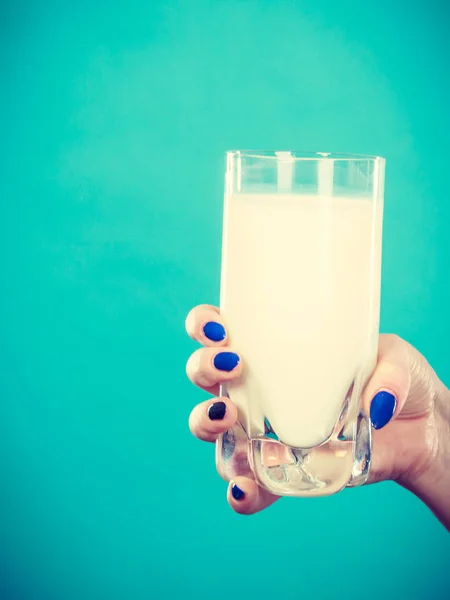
(300, 297)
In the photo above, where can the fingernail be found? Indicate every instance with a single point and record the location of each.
(236, 492)
(226, 361)
(214, 331)
(382, 409)
(216, 411)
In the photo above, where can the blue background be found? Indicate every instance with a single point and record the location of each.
(115, 117)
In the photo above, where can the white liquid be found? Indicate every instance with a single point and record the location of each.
(300, 298)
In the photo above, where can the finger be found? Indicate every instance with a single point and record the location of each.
(388, 388)
(208, 367)
(402, 385)
(404, 374)
(205, 325)
(211, 418)
(232, 454)
(391, 452)
(246, 497)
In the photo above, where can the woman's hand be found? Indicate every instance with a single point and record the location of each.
(408, 405)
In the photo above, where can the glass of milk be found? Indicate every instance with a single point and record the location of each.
(300, 296)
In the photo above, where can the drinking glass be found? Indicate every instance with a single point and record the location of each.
(300, 297)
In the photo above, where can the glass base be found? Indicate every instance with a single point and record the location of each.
(341, 461)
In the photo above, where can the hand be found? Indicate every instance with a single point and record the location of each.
(408, 405)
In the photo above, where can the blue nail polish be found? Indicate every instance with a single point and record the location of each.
(382, 409)
(216, 411)
(236, 492)
(226, 361)
(214, 331)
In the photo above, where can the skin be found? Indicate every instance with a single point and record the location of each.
(413, 449)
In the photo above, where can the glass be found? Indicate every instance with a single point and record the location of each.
(300, 296)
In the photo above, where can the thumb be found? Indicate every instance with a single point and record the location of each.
(402, 383)
(402, 388)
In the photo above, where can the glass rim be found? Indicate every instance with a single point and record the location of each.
(297, 155)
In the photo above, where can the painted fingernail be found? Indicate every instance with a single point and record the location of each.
(236, 492)
(216, 411)
(382, 409)
(226, 361)
(214, 331)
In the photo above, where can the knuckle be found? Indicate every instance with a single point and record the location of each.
(422, 377)
(392, 371)
(394, 339)
(391, 342)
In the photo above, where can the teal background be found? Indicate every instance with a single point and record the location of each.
(115, 117)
